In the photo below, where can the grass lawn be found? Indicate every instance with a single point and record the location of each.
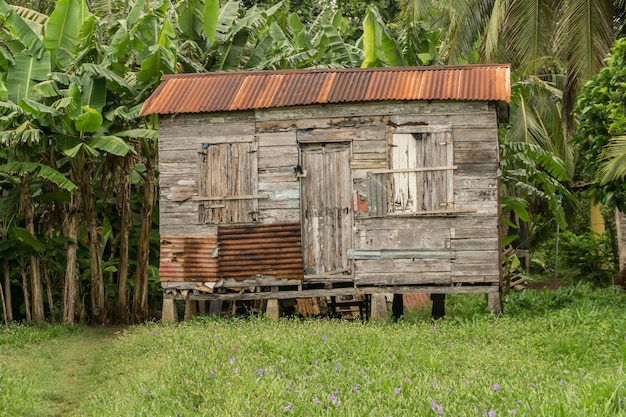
(553, 354)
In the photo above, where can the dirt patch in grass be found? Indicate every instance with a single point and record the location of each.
(65, 371)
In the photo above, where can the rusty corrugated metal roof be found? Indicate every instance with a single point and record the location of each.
(265, 249)
(246, 90)
(188, 259)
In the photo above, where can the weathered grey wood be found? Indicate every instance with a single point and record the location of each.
(486, 243)
(169, 312)
(272, 310)
(413, 278)
(231, 197)
(379, 307)
(401, 253)
(378, 289)
(190, 309)
(494, 303)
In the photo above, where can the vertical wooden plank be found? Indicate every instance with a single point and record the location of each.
(449, 174)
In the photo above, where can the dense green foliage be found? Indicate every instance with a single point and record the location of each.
(554, 353)
(601, 112)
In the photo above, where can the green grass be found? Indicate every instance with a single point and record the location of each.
(553, 354)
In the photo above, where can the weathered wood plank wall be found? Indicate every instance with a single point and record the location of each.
(469, 228)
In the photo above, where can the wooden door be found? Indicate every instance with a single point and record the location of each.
(326, 207)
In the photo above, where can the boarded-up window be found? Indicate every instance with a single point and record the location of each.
(420, 178)
(228, 183)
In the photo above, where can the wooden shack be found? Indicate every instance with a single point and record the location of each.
(324, 182)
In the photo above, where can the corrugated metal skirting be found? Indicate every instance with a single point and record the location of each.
(261, 250)
(188, 259)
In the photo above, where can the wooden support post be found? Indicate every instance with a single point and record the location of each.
(397, 307)
(190, 309)
(202, 307)
(439, 306)
(273, 309)
(379, 307)
(169, 313)
(494, 303)
(215, 307)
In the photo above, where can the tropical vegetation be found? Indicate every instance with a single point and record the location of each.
(78, 172)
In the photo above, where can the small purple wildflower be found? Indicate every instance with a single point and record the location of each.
(433, 404)
(313, 334)
(518, 402)
(491, 413)
(324, 337)
(433, 384)
(407, 380)
(232, 360)
(561, 383)
(287, 407)
(153, 332)
(449, 345)
(316, 400)
(316, 361)
(434, 330)
(337, 366)
(449, 389)
(216, 335)
(397, 390)
(439, 408)
(355, 388)
(142, 391)
(472, 340)
(283, 360)
(514, 411)
(261, 371)
(531, 385)
(235, 370)
(219, 346)
(333, 399)
(496, 387)
(213, 372)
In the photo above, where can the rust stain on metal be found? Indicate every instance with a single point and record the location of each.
(188, 259)
(260, 250)
(247, 90)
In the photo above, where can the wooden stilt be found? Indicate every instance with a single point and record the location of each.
(202, 307)
(273, 309)
(379, 307)
(190, 309)
(439, 305)
(169, 313)
(215, 307)
(494, 303)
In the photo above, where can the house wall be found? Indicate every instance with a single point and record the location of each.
(460, 246)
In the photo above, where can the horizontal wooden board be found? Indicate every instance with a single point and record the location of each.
(268, 215)
(401, 253)
(476, 243)
(287, 138)
(401, 278)
(407, 109)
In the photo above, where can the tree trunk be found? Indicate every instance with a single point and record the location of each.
(26, 294)
(620, 225)
(28, 209)
(125, 219)
(140, 301)
(4, 307)
(71, 270)
(7, 290)
(98, 302)
(46, 279)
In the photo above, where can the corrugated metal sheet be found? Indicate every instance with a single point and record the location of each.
(228, 91)
(269, 249)
(188, 259)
